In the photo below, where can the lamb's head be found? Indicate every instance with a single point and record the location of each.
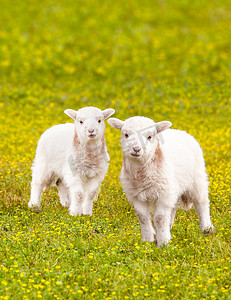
(89, 123)
(139, 136)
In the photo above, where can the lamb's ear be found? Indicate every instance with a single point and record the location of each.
(71, 113)
(108, 112)
(161, 126)
(115, 123)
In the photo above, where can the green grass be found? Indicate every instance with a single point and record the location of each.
(167, 60)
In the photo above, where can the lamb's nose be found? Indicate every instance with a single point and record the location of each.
(91, 130)
(136, 149)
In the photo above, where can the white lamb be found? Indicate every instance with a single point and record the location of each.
(75, 157)
(159, 167)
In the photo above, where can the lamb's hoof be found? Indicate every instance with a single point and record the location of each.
(149, 239)
(74, 213)
(209, 230)
(34, 207)
(160, 245)
(64, 204)
(162, 242)
(87, 213)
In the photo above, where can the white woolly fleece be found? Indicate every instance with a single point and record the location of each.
(160, 166)
(75, 157)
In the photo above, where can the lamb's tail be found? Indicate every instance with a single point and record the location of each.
(186, 202)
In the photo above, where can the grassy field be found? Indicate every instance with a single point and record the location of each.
(167, 60)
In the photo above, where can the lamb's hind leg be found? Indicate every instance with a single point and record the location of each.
(186, 201)
(173, 214)
(36, 191)
(202, 206)
(63, 193)
(39, 182)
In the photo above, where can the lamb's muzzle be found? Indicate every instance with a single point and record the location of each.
(136, 150)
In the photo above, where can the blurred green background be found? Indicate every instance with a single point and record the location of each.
(167, 60)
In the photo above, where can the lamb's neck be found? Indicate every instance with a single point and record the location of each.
(89, 149)
(98, 147)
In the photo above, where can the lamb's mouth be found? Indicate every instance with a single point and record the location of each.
(135, 154)
(92, 136)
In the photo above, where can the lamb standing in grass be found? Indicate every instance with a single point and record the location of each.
(159, 167)
(74, 156)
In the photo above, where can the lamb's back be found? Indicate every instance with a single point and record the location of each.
(183, 157)
(179, 145)
(56, 142)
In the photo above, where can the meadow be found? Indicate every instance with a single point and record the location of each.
(167, 60)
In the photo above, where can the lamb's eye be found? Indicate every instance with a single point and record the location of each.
(81, 122)
(126, 135)
(149, 137)
(99, 121)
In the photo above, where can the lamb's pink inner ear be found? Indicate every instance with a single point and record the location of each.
(71, 113)
(115, 123)
(161, 126)
(108, 112)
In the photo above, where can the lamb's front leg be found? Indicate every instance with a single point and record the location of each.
(76, 200)
(92, 188)
(143, 215)
(162, 222)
